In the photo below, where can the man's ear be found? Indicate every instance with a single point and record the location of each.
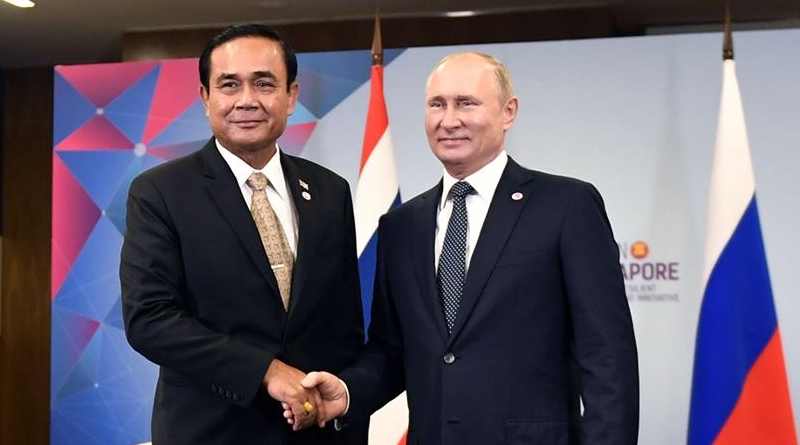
(294, 91)
(510, 112)
(204, 97)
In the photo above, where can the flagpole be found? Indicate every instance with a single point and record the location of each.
(377, 45)
(727, 43)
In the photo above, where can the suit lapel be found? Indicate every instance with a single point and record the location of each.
(422, 237)
(299, 189)
(504, 211)
(225, 192)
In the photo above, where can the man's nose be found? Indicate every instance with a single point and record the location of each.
(247, 98)
(451, 118)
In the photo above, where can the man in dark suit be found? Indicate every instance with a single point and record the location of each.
(499, 302)
(233, 324)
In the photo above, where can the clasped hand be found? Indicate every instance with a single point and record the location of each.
(310, 399)
(332, 402)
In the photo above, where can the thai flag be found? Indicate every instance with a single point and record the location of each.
(377, 191)
(740, 393)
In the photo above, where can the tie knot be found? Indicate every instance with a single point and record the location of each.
(257, 181)
(461, 189)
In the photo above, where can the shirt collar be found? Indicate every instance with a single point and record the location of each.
(242, 171)
(484, 181)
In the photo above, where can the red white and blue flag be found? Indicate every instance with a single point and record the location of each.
(740, 393)
(378, 190)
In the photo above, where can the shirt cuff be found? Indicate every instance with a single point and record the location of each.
(347, 393)
(340, 422)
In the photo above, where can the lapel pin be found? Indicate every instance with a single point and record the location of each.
(307, 196)
(303, 184)
(516, 196)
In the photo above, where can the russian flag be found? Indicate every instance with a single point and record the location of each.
(740, 393)
(378, 190)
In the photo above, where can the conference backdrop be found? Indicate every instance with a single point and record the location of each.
(635, 116)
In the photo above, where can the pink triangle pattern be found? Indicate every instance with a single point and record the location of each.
(80, 331)
(102, 83)
(295, 137)
(171, 96)
(96, 134)
(74, 218)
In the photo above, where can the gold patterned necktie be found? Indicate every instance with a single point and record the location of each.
(273, 237)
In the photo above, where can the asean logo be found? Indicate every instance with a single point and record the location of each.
(639, 249)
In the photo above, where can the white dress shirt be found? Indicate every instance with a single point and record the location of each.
(484, 181)
(277, 190)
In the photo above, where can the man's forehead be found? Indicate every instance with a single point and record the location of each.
(461, 74)
(233, 50)
(458, 83)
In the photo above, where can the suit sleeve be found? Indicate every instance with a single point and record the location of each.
(604, 347)
(158, 310)
(378, 376)
(352, 277)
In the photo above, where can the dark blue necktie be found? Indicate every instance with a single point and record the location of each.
(453, 260)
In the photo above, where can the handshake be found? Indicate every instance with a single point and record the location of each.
(313, 398)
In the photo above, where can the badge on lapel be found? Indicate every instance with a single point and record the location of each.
(306, 194)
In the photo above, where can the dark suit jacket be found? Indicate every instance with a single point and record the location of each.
(200, 300)
(543, 322)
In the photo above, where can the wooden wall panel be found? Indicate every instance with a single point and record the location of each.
(396, 32)
(25, 296)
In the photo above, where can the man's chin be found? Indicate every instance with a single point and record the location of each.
(250, 140)
(451, 154)
(248, 145)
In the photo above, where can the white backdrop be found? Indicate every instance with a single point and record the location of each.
(636, 117)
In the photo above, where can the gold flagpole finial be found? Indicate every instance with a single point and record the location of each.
(377, 46)
(727, 45)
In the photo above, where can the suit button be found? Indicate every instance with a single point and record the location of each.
(235, 397)
(449, 358)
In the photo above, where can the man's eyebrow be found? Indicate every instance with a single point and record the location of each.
(458, 97)
(260, 74)
(254, 75)
(226, 76)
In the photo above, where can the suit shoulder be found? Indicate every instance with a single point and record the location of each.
(564, 192)
(549, 187)
(558, 180)
(559, 184)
